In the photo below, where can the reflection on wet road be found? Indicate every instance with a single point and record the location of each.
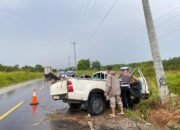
(27, 117)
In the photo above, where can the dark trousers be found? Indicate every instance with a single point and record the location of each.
(126, 97)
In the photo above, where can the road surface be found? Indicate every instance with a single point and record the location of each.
(17, 114)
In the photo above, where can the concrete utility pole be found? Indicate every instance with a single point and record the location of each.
(69, 61)
(160, 76)
(74, 43)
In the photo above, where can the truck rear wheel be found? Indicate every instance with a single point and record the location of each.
(96, 105)
(75, 107)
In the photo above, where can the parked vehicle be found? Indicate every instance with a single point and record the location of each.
(49, 75)
(47, 71)
(89, 92)
(71, 73)
(61, 74)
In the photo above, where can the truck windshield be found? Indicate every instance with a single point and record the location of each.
(100, 76)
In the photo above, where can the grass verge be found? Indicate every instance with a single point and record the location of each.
(10, 78)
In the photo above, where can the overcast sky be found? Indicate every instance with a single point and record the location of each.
(41, 31)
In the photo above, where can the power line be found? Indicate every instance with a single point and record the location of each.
(171, 18)
(143, 45)
(84, 11)
(165, 20)
(157, 27)
(84, 14)
(91, 10)
(77, 23)
(166, 14)
(103, 19)
(162, 17)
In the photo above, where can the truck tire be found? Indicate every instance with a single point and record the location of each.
(75, 107)
(96, 105)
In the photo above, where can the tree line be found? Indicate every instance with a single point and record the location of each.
(86, 64)
(170, 64)
(36, 68)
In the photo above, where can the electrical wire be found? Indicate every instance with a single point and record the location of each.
(103, 19)
(90, 12)
(163, 19)
(79, 14)
(172, 11)
(141, 45)
(84, 14)
(156, 26)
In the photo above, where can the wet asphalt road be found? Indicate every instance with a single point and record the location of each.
(27, 117)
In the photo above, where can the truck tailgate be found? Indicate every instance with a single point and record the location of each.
(59, 88)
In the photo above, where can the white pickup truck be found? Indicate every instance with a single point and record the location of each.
(89, 92)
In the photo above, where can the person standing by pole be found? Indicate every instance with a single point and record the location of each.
(113, 92)
(126, 77)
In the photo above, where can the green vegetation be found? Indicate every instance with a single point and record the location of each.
(146, 108)
(170, 64)
(83, 64)
(10, 78)
(10, 75)
(96, 65)
(86, 64)
(173, 80)
(37, 67)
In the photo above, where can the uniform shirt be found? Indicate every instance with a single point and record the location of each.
(112, 85)
(126, 79)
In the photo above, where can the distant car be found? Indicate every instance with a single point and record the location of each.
(71, 73)
(61, 74)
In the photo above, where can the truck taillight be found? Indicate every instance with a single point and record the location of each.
(70, 86)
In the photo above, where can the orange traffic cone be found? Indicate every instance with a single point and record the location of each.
(34, 98)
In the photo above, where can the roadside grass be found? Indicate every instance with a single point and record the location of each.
(152, 110)
(10, 78)
(173, 80)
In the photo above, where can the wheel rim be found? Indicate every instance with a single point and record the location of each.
(98, 105)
